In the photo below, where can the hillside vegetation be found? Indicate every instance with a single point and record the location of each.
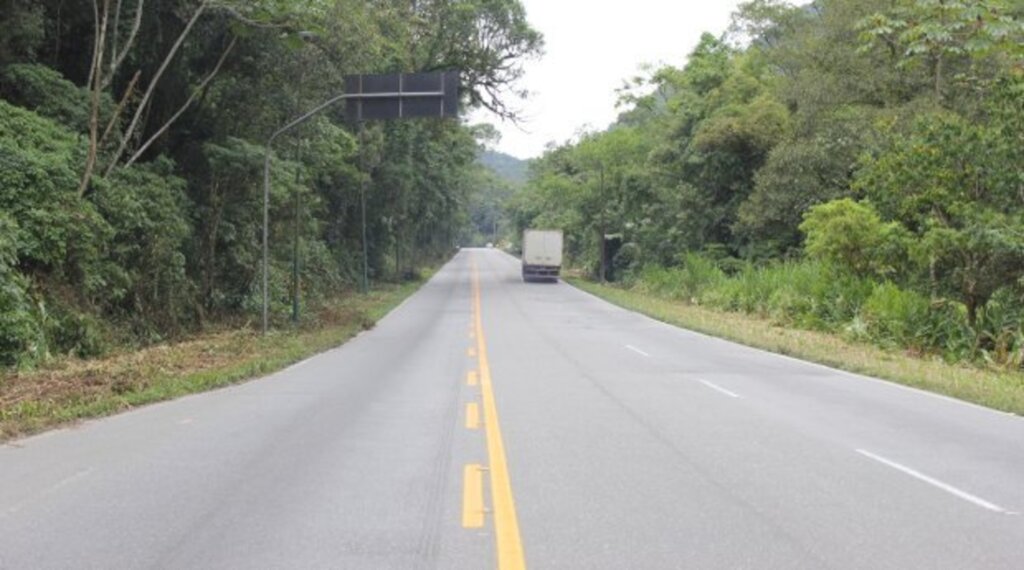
(852, 166)
(131, 159)
(507, 167)
(500, 177)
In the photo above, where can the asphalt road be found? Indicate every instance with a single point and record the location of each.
(487, 422)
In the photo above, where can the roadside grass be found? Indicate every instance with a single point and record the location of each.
(989, 386)
(67, 389)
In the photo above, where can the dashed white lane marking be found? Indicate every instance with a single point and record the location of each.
(637, 350)
(936, 483)
(49, 491)
(714, 386)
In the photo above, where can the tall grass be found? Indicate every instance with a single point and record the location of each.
(686, 282)
(818, 296)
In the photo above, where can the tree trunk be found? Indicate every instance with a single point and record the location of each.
(120, 106)
(144, 102)
(96, 85)
(185, 106)
(210, 249)
(117, 58)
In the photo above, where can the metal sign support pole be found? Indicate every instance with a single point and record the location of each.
(266, 181)
(365, 285)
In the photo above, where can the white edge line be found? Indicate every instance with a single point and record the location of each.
(852, 375)
(48, 491)
(637, 350)
(936, 483)
(714, 386)
(68, 480)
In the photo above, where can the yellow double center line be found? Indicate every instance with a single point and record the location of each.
(506, 526)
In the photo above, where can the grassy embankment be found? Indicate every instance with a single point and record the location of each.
(989, 386)
(69, 389)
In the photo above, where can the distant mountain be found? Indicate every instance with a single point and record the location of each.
(506, 166)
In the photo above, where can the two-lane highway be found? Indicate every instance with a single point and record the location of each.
(488, 422)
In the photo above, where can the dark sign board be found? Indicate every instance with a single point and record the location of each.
(402, 95)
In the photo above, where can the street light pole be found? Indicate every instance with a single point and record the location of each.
(295, 247)
(362, 208)
(266, 180)
(266, 199)
(298, 209)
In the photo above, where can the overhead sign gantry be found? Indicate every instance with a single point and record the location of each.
(369, 97)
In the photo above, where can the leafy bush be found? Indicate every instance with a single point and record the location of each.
(818, 295)
(20, 334)
(808, 293)
(227, 204)
(74, 332)
(695, 275)
(852, 235)
(1000, 329)
(117, 252)
(42, 89)
(39, 163)
(946, 331)
(895, 316)
(625, 261)
(948, 182)
(144, 275)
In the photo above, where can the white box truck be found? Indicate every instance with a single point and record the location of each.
(542, 254)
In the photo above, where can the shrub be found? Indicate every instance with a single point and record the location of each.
(661, 280)
(852, 235)
(145, 275)
(946, 331)
(1000, 329)
(806, 293)
(895, 316)
(20, 334)
(39, 163)
(625, 261)
(44, 90)
(75, 332)
(687, 282)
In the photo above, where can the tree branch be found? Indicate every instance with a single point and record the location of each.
(95, 41)
(246, 20)
(185, 106)
(152, 87)
(116, 28)
(120, 106)
(118, 58)
(95, 76)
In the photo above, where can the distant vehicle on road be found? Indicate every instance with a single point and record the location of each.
(542, 254)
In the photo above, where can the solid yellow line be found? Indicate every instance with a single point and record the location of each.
(506, 526)
(472, 416)
(471, 378)
(471, 351)
(473, 496)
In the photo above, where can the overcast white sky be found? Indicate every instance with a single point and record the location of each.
(591, 47)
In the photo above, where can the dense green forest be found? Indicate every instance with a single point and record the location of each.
(131, 152)
(500, 178)
(506, 166)
(855, 166)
